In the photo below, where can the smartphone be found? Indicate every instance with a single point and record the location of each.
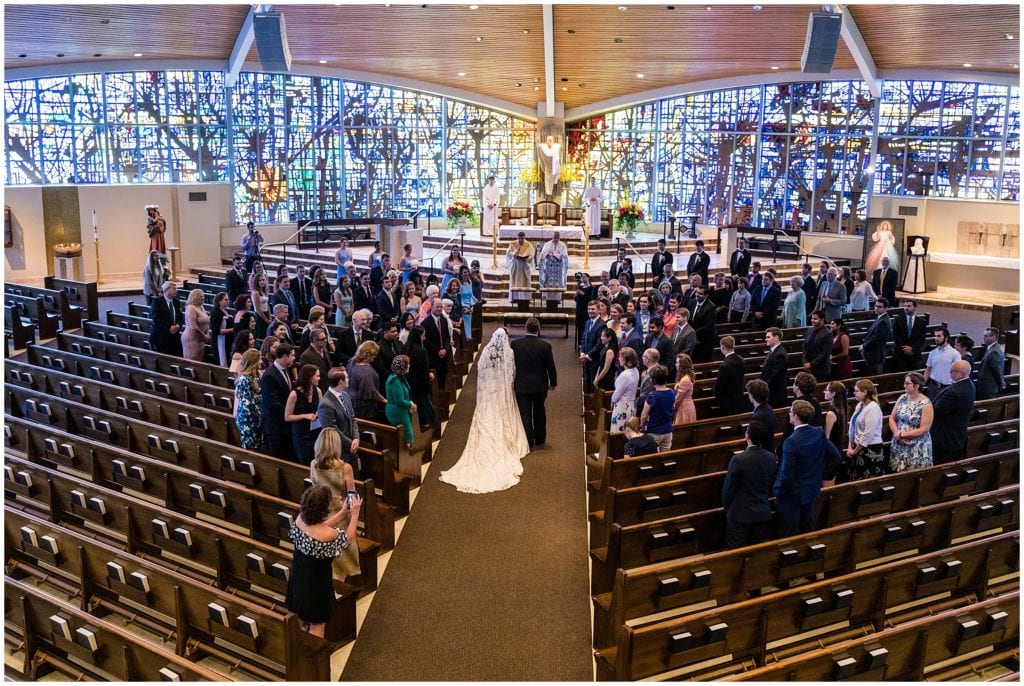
(351, 497)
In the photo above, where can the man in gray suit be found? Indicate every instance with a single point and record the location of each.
(335, 411)
(990, 372)
(831, 295)
(684, 338)
(318, 356)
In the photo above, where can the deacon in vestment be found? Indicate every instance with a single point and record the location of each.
(554, 263)
(520, 268)
(492, 196)
(592, 201)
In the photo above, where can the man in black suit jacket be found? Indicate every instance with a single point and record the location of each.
(236, 279)
(302, 290)
(773, 372)
(283, 296)
(764, 303)
(747, 488)
(535, 376)
(165, 336)
(739, 262)
(378, 273)
(335, 411)
(729, 380)
(437, 339)
(351, 338)
(390, 347)
(908, 335)
(699, 263)
(663, 344)
(318, 356)
(703, 320)
(658, 261)
(952, 407)
(362, 296)
(389, 304)
(757, 394)
(809, 287)
(876, 339)
(818, 347)
(275, 385)
(883, 281)
(991, 378)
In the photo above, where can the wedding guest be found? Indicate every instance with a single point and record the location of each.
(248, 417)
(152, 277)
(864, 457)
(400, 406)
(794, 307)
(363, 382)
(835, 418)
(275, 385)
(739, 302)
(862, 293)
(342, 301)
(420, 375)
(747, 489)
(637, 442)
(684, 412)
(221, 328)
(757, 394)
(658, 409)
(910, 423)
(842, 364)
(267, 350)
(801, 468)
(243, 342)
(300, 412)
(197, 327)
(605, 360)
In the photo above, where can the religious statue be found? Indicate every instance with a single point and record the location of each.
(156, 226)
(550, 158)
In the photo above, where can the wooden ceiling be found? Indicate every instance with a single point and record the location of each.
(598, 49)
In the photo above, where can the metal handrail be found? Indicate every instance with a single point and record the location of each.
(460, 235)
(631, 247)
(284, 243)
(800, 251)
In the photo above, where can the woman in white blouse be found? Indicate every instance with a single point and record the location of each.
(862, 293)
(864, 457)
(624, 397)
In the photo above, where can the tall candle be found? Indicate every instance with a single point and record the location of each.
(95, 231)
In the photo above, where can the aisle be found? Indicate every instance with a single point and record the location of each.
(490, 587)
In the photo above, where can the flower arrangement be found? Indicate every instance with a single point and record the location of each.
(460, 210)
(570, 173)
(628, 215)
(531, 174)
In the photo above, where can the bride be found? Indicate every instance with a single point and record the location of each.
(497, 441)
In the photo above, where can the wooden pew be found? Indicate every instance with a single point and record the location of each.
(203, 372)
(907, 652)
(81, 295)
(116, 334)
(743, 630)
(198, 549)
(127, 321)
(106, 578)
(385, 437)
(120, 655)
(34, 310)
(703, 532)
(129, 376)
(18, 329)
(201, 421)
(273, 476)
(730, 575)
(54, 300)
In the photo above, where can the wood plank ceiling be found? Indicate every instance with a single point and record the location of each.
(499, 49)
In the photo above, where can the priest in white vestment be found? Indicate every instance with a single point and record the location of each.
(554, 263)
(492, 198)
(520, 268)
(592, 202)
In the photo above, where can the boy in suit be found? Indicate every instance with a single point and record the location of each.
(729, 382)
(806, 456)
(747, 487)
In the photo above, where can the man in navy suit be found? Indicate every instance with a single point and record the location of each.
(590, 345)
(908, 336)
(776, 362)
(631, 337)
(302, 290)
(991, 380)
(764, 303)
(747, 487)
(284, 296)
(876, 338)
(275, 385)
(729, 380)
(883, 281)
(236, 279)
(388, 303)
(952, 407)
(806, 456)
(165, 335)
(535, 376)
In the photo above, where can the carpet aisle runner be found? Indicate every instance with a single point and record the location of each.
(490, 587)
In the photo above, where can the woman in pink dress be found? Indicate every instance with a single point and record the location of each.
(685, 410)
(197, 328)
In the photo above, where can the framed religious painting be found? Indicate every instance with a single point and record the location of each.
(883, 238)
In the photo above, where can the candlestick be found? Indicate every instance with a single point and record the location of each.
(95, 231)
(96, 243)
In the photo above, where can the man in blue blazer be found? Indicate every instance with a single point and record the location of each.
(991, 380)
(747, 487)
(877, 337)
(806, 455)
(764, 303)
(952, 407)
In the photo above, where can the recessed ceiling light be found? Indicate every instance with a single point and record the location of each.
(623, 8)
(536, 80)
(323, 61)
(757, 8)
(775, 68)
(138, 54)
(707, 7)
(1009, 36)
(526, 31)
(563, 79)
(479, 39)
(536, 88)
(473, 7)
(462, 73)
(968, 65)
(1016, 66)
(565, 88)
(639, 76)
(60, 54)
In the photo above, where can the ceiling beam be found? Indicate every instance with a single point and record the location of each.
(549, 60)
(859, 50)
(240, 50)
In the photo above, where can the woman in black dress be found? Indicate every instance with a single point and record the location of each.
(223, 329)
(300, 411)
(419, 375)
(317, 542)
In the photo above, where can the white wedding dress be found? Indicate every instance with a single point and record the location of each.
(497, 440)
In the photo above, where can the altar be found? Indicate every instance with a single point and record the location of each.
(567, 233)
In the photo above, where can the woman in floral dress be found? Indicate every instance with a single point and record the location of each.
(247, 401)
(624, 397)
(911, 423)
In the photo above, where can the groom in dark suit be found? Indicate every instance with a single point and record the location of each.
(535, 376)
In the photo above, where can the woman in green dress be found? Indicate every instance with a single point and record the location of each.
(399, 406)
(794, 308)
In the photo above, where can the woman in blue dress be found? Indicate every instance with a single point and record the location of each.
(467, 299)
(451, 266)
(247, 401)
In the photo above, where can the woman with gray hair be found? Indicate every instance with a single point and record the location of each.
(794, 307)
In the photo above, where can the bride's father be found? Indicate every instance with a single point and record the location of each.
(535, 375)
